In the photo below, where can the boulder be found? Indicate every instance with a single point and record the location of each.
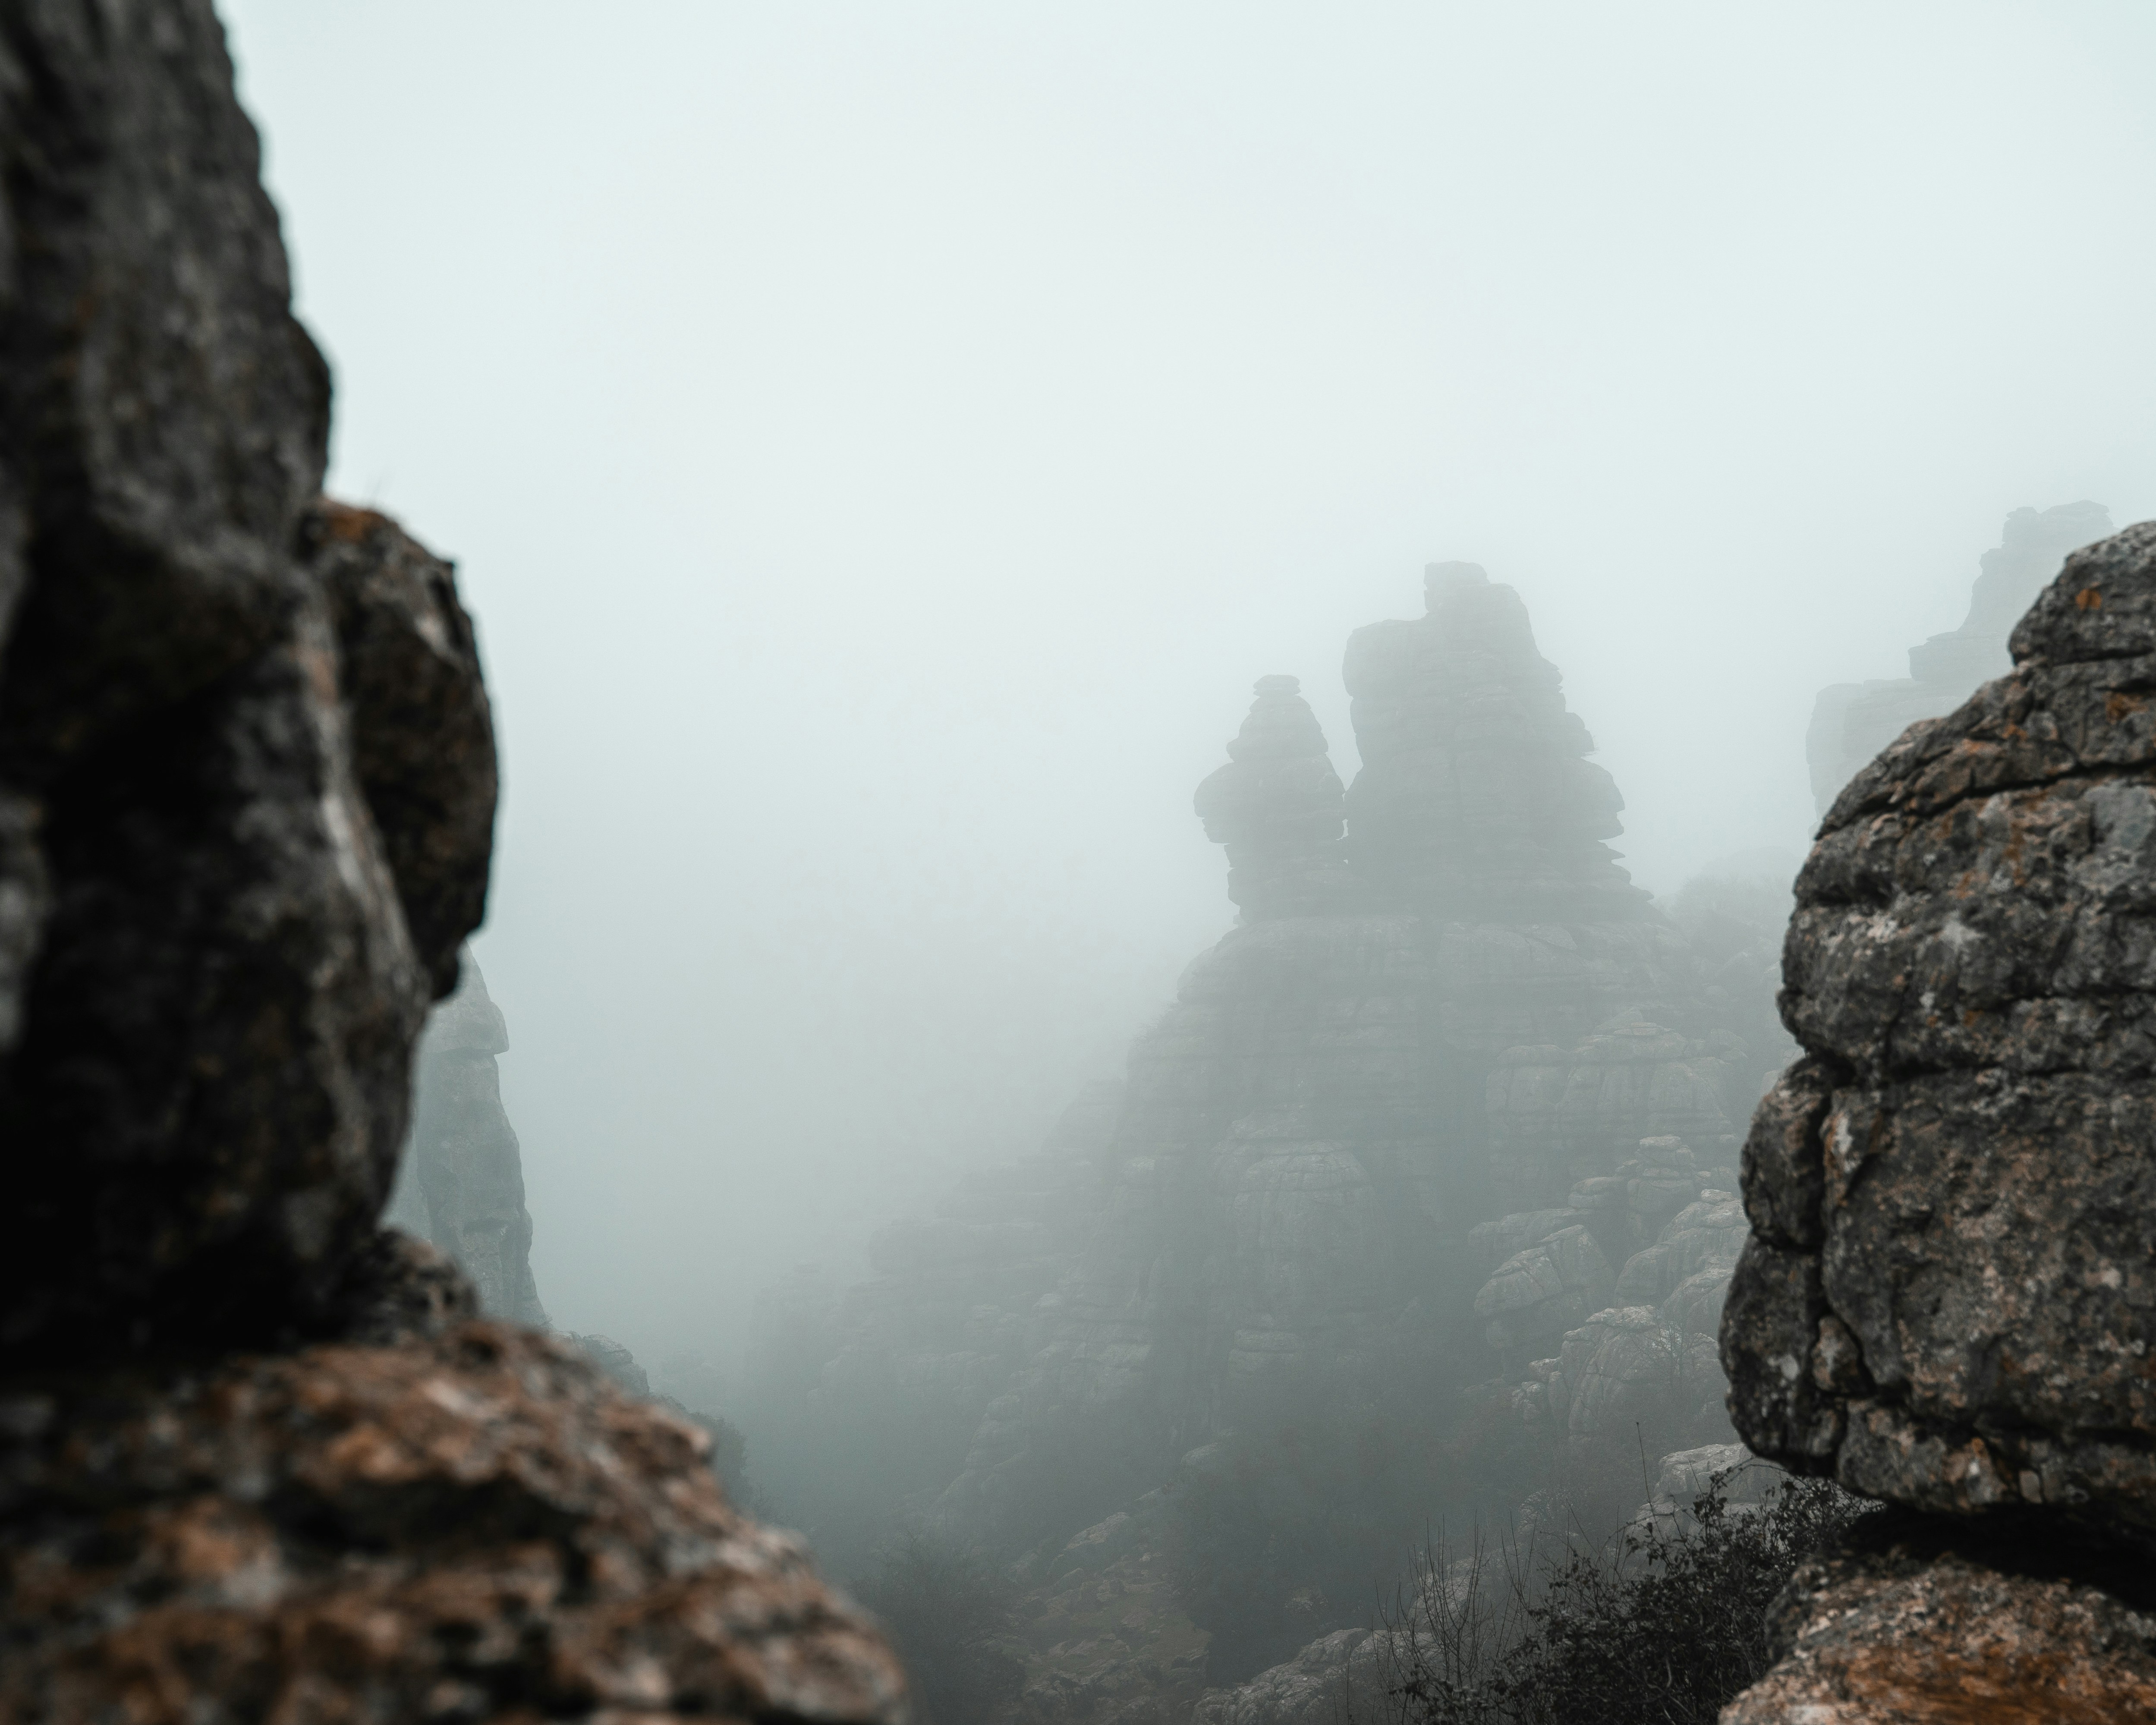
(1946, 1301)
(1955, 1193)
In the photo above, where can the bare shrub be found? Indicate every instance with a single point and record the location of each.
(1662, 1624)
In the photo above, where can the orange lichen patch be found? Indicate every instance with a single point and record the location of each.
(2088, 599)
(348, 524)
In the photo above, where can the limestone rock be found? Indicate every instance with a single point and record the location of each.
(1278, 806)
(1956, 1193)
(1896, 1625)
(1852, 722)
(465, 1526)
(208, 1084)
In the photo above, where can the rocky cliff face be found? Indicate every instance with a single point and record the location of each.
(1947, 1299)
(1852, 722)
(257, 1458)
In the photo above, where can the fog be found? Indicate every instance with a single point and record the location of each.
(882, 443)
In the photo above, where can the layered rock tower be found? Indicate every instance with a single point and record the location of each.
(1456, 1010)
(1948, 1303)
(258, 1459)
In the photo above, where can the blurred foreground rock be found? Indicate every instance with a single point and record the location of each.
(1948, 1302)
(258, 1458)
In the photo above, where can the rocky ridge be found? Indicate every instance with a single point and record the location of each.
(259, 1457)
(1953, 1193)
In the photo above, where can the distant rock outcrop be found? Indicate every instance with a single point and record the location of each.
(1947, 1302)
(259, 1458)
(461, 1185)
(1852, 722)
(1279, 808)
(1478, 1017)
(1476, 799)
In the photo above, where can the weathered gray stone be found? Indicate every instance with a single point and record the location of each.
(1964, 1174)
(257, 1459)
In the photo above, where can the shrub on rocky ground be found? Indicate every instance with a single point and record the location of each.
(1662, 1624)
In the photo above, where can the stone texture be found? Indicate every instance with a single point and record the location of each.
(461, 1527)
(257, 1460)
(1899, 1627)
(1279, 808)
(1947, 1302)
(1960, 1178)
(461, 1185)
(1852, 722)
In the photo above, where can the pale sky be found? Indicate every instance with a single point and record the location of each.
(881, 443)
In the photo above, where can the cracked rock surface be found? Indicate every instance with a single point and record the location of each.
(1948, 1301)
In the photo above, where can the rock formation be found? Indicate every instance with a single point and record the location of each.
(1852, 722)
(1476, 799)
(1278, 806)
(1947, 1303)
(461, 1185)
(257, 1459)
(1456, 1028)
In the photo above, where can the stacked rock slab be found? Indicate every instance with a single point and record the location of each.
(1278, 806)
(1852, 722)
(461, 1185)
(1948, 1303)
(257, 1459)
(1488, 1014)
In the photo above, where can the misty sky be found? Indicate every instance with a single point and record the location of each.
(882, 442)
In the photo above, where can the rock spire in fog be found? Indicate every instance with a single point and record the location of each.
(462, 1183)
(1476, 799)
(1852, 722)
(1279, 808)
